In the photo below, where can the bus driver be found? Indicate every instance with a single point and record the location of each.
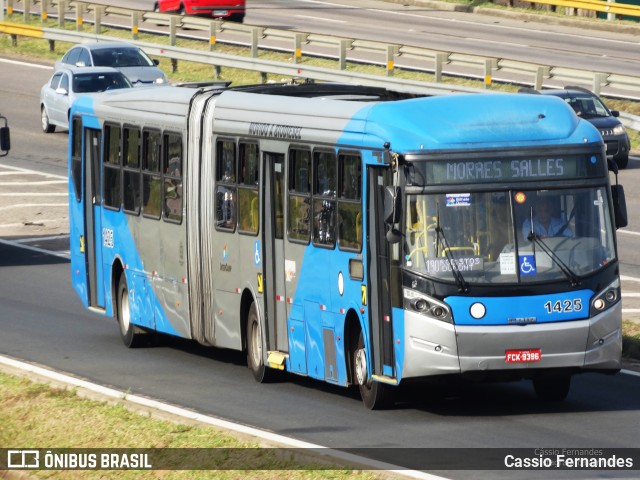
(545, 224)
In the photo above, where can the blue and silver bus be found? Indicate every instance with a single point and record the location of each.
(355, 235)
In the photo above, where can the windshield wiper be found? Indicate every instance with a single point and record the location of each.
(461, 283)
(573, 278)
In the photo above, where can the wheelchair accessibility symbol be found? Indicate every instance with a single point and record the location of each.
(527, 264)
(256, 253)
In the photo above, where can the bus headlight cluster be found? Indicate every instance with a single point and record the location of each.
(606, 298)
(427, 306)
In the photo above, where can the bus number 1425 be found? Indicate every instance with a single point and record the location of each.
(564, 306)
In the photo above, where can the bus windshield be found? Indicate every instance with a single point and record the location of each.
(509, 237)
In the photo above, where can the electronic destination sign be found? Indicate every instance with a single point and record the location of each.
(552, 167)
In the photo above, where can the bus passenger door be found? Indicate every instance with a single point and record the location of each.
(273, 241)
(93, 230)
(378, 279)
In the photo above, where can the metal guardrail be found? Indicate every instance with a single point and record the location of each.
(390, 56)
(601, 6)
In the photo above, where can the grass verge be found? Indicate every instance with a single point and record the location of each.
(27, 422)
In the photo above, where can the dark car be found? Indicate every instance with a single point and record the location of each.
(589, 106)
(128, 58)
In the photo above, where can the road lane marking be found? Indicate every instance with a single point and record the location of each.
(62, 254)
(37, 182)
(25, 64)
(34, 172)
(628, 232)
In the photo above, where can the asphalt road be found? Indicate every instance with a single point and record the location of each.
(42, 321)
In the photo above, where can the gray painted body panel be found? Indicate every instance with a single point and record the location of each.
(434, 347)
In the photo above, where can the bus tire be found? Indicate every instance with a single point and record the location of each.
(255, 357)
(132, 336)
(375, 395)
(552, 389)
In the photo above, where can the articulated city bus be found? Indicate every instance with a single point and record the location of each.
(352, 234)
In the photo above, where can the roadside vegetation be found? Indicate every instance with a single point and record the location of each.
(26, 409)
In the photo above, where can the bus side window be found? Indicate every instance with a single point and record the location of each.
(248, 176)
(226, 185)
(151, 179)
(324, 198)
(131, 172)
(299, 188)
(76, 156)
(172, 181)
(112, 157)
(350, 202)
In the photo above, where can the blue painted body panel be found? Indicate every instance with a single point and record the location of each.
(560, 307)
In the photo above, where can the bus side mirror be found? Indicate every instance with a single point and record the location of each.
(392, 212)
(619, 206)
(5, 141)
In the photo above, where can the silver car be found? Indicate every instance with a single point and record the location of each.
(129, 59)
(67, 84)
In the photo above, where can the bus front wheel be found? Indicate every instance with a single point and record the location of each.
(375, 395)
(255, 357)
(552, 389)
(131, 335)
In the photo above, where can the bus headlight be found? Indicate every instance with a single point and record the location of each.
(606, 298)
(424, 305)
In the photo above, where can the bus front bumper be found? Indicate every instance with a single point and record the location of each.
(433, 347)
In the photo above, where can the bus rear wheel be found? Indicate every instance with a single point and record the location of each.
(255, 357)
(131, 335)
(375, 395)
(552, 389)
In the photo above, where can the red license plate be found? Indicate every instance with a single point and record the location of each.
(523, 356)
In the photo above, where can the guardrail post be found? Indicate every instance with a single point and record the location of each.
(541, 73)
(214, 26)
(488, 72)
(173, 24)
(441, 59)
(62, 8)
(134, 25)
(256, 33)
(27, 10)
(79, 12)
(297, 46)
(264, 77)
(44, 5)
(599, 79)
(392, 51)
(342, 57)
(611, 16)
(97, 13)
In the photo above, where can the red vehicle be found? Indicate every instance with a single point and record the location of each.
(225, 9)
